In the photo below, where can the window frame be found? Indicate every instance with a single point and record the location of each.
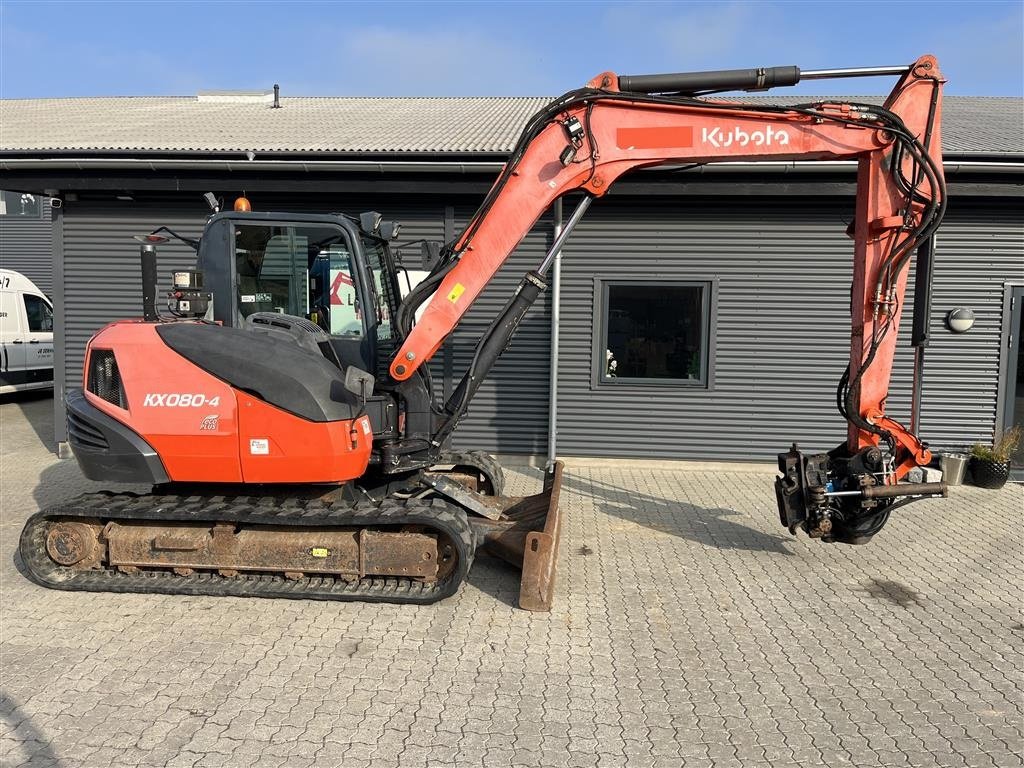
(709, 304)
(25, 296)
(365, 287)
(41, 200)
(352, 241)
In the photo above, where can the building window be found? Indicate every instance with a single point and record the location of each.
(653, 333)
(21, 204)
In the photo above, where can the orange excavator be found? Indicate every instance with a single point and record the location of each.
(282, 409)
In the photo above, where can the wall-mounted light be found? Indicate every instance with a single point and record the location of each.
(960, 320)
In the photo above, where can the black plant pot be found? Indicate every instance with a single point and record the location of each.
(986, 473)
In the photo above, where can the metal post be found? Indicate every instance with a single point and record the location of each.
(556, 317)
(922, 313)
(60, 425)
(147, 255)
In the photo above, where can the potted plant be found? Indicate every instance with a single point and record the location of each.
(990, 464)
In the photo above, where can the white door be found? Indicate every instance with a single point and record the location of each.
(12, 341)
(38, 324)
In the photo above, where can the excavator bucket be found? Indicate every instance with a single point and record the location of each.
(527, 535)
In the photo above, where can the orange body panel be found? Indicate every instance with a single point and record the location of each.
(203, 428)
(277, 447)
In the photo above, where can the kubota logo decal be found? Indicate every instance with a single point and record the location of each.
(767, 137)
(180, 400)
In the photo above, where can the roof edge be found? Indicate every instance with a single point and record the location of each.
(951, 164)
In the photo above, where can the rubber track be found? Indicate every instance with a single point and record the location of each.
(250, 510)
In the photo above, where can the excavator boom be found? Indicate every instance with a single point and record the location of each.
(591, 137)
(587, 139)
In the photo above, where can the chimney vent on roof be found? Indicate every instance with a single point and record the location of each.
(235, 97)
(277, 96)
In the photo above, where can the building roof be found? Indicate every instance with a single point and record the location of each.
(229, 123)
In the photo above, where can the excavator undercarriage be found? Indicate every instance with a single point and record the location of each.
(322, 545)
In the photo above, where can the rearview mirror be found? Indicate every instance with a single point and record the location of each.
(431, 253)
(359, 382)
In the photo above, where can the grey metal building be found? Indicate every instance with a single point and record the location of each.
(26, 243)
(753, 257)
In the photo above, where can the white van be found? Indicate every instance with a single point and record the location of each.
(26, 335)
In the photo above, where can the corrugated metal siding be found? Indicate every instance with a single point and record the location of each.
(781, 329)
(103, 283)
(781, 333)
(102, 278)
(980, 247)
(26, 247)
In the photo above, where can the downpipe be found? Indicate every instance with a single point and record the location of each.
(556, 325)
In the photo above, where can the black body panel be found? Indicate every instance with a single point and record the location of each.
(108, 450)
(281, 373)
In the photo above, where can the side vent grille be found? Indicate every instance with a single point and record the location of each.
(104, 377)
(82, 434)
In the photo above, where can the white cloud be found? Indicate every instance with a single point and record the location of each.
(698, 36)
(464, 60)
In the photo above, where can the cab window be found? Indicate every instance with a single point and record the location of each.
(298, 270)
(383, 290)
(39, 314)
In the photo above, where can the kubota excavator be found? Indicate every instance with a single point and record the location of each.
(295, 444)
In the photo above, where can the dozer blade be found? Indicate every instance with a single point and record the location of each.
(527, 536)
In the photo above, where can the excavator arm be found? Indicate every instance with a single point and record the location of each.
(587, 139)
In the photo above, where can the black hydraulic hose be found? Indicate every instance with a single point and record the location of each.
(407, 309)
(901, 252)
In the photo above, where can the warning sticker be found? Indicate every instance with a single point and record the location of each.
(259, 446)
(248, 298)
(366, 425)
(457, 291)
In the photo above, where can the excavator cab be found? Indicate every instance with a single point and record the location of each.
(323, 268)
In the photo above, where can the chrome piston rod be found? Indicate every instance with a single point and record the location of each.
(827, 74)
(894, 491)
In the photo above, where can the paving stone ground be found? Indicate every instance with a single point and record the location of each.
(688, 630)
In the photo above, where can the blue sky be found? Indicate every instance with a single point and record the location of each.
(50, 49)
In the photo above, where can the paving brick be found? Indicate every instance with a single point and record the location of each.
(688, 632)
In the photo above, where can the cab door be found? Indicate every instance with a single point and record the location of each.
(12, 341)
(38, 336)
